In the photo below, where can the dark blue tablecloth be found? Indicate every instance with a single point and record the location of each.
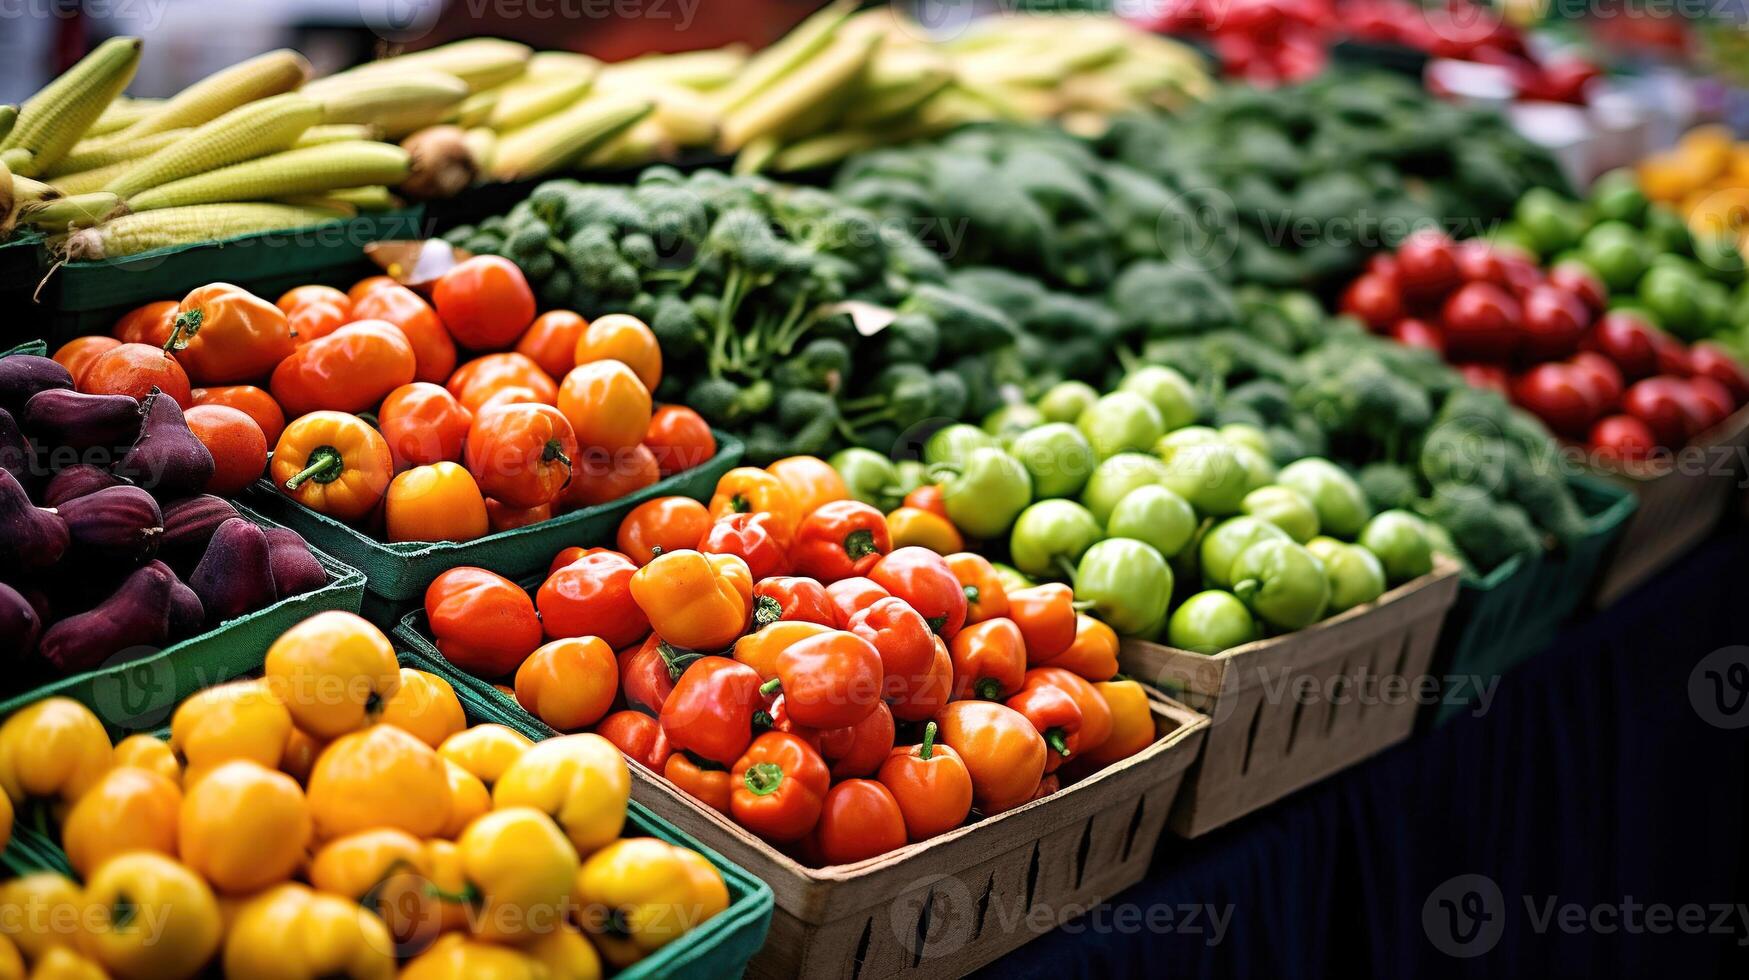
(1591, 823)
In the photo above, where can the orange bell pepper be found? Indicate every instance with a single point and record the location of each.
(754, 538)
(503, 517)
(840, 539)
(521, 454)
(1093, 654)
(830, 680)
(989, 660)
(1056, 716)
(297, 297)
(569, 683)
(484, 623)
(434, 353)
(251, 401)
(607, 405)
(811, 481)
(425, 707)
(710, 786)
(787, 598)
(985, 596)
(1096, 720)
(77, 354)
(602, 477)
(778, 787)
(930, 783)
(759, 649)
(1046, 617)
(151, 324)
(379, 777)
(623, 338)
(858, 750)
(423, 423)
(852, 595)
(859, 819)
(483, 377)
(1003, 753)
(129, 809)
(485, 301)
(694, 600)
(662, 524)
(639, 736)
(907, 650)
(750, 490)
(244, 827)
(927, 497)
(680, 438)
(591, 596)
(334, 464)
(710, 711)
(551, 341)
(317, 319)
(913, 527)
(225, 334)
(1132, 723)
(350, 370)
(439, 502)
(334, 673)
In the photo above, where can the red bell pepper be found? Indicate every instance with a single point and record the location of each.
(646, 675)
(931, 785)
(776, 718)
(794, 599)
(778, 787)
(859, 819)
(921, 577)
(568, 555)
(705, 783)
(859, 749)
(927, 497)
(829, 680)
(710, 711)
(1003, 752)
(852, 595)
(989, 660)
(1054, 713)
(1046, 617)
(907, 650)
(842, 539)
(1046, 786)
(637, 735)
(985, 596)
(592, 596)
(1096, 720)
(756, 539)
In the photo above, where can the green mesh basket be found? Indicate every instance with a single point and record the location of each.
(397, 573)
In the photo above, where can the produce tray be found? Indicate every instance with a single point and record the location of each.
(717, 949)
(88, 297)
(1290, 710)
(140, 693)
(397, 573)
(21, 269)
(1679, 508)
(941, 907)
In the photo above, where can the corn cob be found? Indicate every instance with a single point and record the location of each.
(561, 64)
(475, 109)
(526, 101)
(482, 146)
(375, 197)
(482, 62)
(697, 70)
(561, 138)
(685, 117)
(122, 113)
(64, 214)
(334, 133)
(897, 83)
(270, 74)
(135, 233)
(28, 191)
(8, 117)
(803, 99)
(244, 133)
(54, 119)
(327, 202)
(809, 38)
(396, 103)
(756, 155)
(638, 145)
(86, 181)
(312, 170)
(822, 150)
(92, 154)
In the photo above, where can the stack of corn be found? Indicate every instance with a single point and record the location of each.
(241, 151)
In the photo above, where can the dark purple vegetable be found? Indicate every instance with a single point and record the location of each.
(166, 458)
(23, 375)
(14, 447)
(187, 616)
(189, 524)
(135, 620)
(234, 576)
(295, 569)
(115, 525)
(77, 481)
(69, 424)
(30, 537)
(19, 623)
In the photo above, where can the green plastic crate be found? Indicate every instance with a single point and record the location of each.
(718, 949)
(1502, 619)
(397, 573)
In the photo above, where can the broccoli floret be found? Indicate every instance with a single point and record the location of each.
(822, 366)
(1464, 451)
(1544, 495)
(677, 328)
(1158, 299)
(1486, 530)
(797, 407)
(911, 337)
(965, 324)
(723, 402)
(1388, 486)
(1270, 399)
(1013, 294)
(952, 394)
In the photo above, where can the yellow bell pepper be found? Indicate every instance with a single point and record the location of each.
(239, 720)
(357, 864)
(485, 750)
(459, 958)
(694, 600)
(5, 820)
(445, 877)
(518, 870)
(468, 798)
(567, 954)
(129, 809)
(54, 748)
(244, 827)
(11, 960)
(709, 889)
(300, 755)
(379, 777)
(50, 908)
(580, 780)
(1132, 723)
(62, 963)
(334, 671)
(425, 707)
(294, 933)
(149, 752)
(148, 916)
(640, 894)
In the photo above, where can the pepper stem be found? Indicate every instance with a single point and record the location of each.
(467, 896)
(740, 504)
(860, 544)
(325, 466)
(988, 688)
(763, 778)
(185, 322)
(1054, 738)
(927, 749)
(771, 687)
(766, 610)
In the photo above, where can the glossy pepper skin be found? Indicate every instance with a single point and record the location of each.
(592, 596)
(811, 481)
(569, 684)
(521, 453)
(912, 527)
(129, 809)
(379, 777)
(54, 749)
(483, 622)
(224, 334)
(486, 751)
(519, 870)
(349, 370)
(328, 654)
(292, 931)
(710, 711)
(1096, 721)
(985, 596)
(852, 595)
(186, 935)
(581, 781)
(639, 736)
(921, 577)
(639, 894)
(858, 750)
(750, 490)
(423, 424)
(696, 601)
(1132, 723)
(333, 463)
(457, 957)
(707, 785)
(907, 649)
(1046, 617)
(859, 819)
(842, 539)
(1003, 753)
(662, 524)
(754, 538)
(647, 674)
(759, 649)
(787, 598)
(989, 660)
(1093, 654)
(1056, 716)
(830, 680)
(778, 787)
(235, 720)
(930, 783)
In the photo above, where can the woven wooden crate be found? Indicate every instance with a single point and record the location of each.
(1287, 711)
(948, 905)
(1679, 507)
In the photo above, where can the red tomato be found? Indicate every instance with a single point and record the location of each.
(1709, 360)
(1413, 332)
(1622, 438)
(1659, 402)
(1522, 273)
(1478, 262)
(1560, 396)
(1427, 267)
(1554, 320)
(1374, 300)
(1578, 279)
(1672, 355)
(1486, 376)
(485, 302)
(1382, 264)
(1603, 374)
(1715, 398)
(1481, 322)
(1628, 340)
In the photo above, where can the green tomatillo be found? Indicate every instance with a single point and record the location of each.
(1066, 400)
(1153, 515)
(1011, 420)
(1282, 583)
(1284, 507)
(1167, 390)
(869, 476)
(1210, 474)
(1356, 575)
(1341, 506)
(1210, 622)
(1128, 582)
(1050, 536)
(984, 494)
(1057, 456)
(1114, 478)
(1223, 543)
(1402, 545)
(1122, 421)
(953, 443)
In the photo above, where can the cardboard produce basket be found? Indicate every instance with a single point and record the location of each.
(1290, 710)
(1680, 506)
(941, 907)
